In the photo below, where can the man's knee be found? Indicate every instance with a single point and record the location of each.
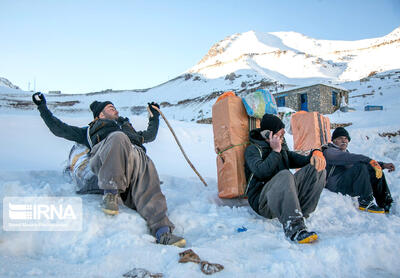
(284, 174)
(360, 167)
(285, 180)
(118, 138)
(313, 171)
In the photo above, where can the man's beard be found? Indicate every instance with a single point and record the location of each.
(110, 116)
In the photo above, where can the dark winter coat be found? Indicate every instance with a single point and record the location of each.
(338, 161)
(265, 166)
(99, 129)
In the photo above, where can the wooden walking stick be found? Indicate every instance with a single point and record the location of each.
(177, 141)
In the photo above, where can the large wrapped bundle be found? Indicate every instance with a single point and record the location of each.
(83, 177)
(231, 129)
(310, 131)
(260, 102)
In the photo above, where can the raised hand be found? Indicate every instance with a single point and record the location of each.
(38, 98)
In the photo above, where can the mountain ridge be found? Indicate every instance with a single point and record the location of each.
(275, 62)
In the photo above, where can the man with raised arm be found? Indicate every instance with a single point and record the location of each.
(118, 158)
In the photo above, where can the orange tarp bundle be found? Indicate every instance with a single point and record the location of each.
(310, 130)
(231, 134)
(226, 94)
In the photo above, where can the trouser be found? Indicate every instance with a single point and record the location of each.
(360, 181)
(289, 197)
(120, 165)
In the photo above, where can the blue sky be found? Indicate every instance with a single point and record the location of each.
(85, 46)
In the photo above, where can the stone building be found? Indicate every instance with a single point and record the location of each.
(321, 98)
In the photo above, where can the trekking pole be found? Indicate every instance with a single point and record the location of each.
(179, 144)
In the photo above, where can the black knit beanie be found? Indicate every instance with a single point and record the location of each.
(98, 106)
(271, 122)
(340, 131)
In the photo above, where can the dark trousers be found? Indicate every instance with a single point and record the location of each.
(120, 165)
(289, 197)
(360, 180)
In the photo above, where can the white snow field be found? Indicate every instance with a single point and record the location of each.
(351, 243)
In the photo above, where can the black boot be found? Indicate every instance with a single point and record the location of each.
(303, 236)
(370, 206)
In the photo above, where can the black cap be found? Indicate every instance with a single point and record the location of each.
(98, 106)
(340, 131)
(271, 122)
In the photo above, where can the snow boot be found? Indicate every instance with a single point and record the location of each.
(370, 206)
(303, 236)
(110, 204)
(170, 239)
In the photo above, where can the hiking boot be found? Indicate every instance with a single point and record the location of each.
(110, 204)
(303, 236)
(170, 239)
(370, 206)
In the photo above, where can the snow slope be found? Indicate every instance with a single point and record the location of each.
(352, 243)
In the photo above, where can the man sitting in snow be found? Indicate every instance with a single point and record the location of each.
(273, 190)
(356, 174)
(118, 158)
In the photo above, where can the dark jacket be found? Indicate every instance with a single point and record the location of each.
(99, 129)
(338, 161)
(265, 166)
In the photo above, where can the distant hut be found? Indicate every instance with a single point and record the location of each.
(321, 98)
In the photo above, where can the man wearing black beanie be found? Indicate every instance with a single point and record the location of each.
(357, 175)
(117, 158)
(273, 191)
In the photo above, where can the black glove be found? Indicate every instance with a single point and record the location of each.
(154, 111)
(38, 98)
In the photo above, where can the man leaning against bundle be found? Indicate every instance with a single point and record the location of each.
(273, 191)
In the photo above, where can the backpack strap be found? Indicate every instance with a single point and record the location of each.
(252, 174)
(321, 129)
(88, 137)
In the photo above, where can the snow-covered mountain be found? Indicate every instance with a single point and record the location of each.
(292, 58)
(243, 63)
(4, 82)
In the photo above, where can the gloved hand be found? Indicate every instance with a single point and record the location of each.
(38, 98)
(389, 166)
(377, 168)
(318, 160)
(152, 110)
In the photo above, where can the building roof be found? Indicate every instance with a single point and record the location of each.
(313, 85)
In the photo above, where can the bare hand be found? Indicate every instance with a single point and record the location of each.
(275, 142)
(389, 166)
